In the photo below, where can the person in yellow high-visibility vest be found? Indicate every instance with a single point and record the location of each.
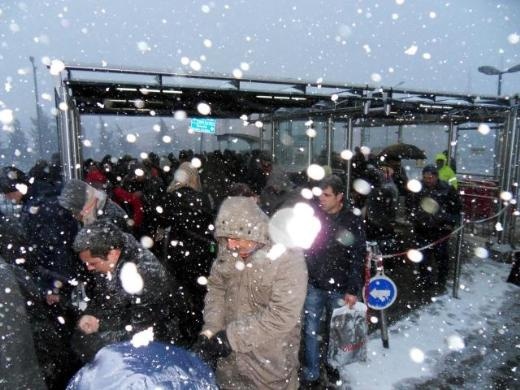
(445, 172)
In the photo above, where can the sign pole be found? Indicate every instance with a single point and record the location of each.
(381, 291)
(384, 330)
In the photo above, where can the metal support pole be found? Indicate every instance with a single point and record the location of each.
(330, 135)
(516, 179)
(400, 134)
(310, 150)
(261, 137)
(452, 142)
(349, 143)
(503, 137)
(38, 109)
(274, 130)
(458, 263)
(512, 137)
(69, 136)
(498, 145)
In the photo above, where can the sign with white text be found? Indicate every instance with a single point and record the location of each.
(203, 125)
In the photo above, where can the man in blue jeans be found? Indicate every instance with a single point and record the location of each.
(335, 264)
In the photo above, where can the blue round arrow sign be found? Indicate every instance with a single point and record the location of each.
(382, 292)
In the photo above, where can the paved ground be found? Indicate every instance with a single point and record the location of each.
(485, 363)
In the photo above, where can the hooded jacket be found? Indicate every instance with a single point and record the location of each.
(78, 196)
(445, 172)
(258, 301)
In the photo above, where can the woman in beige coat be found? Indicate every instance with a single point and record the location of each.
(254, 302)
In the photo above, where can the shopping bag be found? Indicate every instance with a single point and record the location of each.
(348, 335)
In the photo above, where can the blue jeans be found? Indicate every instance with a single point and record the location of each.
(316, 302)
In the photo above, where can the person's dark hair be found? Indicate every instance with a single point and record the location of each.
(334, 182)
(99, 238)
(240, 189)
(432, 169)
(40, 170)
(10, 178)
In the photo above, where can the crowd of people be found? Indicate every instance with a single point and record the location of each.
(180, 246)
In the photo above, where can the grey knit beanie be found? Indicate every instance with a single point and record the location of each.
(240, 217)
(74, 195)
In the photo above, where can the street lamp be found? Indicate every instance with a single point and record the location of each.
(492, 71)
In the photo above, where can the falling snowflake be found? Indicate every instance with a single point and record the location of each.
(131, 280)
(412, 50)
(513, 38)
(143, 338)
(56, 67)
(143, 47)
(416, 355)
(376, 77)
(315, 172)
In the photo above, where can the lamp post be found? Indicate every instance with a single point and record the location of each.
(492, 71)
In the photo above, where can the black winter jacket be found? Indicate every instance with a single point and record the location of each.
(190, 243)
(50, 230)
(336, 259)
(19, 368)
(123, 314)
(433, 212)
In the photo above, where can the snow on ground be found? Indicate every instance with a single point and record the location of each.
(435, 346)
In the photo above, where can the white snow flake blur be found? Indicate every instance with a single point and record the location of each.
(362, 186)
(346, 154)
(294, 227)
(481, 252)
(6, 116)
(412, 50)
(57, 66)
(315, 172)
(417, 355)
(276, 251)
(513, 38)
(483, 129)
(414, 255)
(414, 185)
(204, 108)
(131, 280)
(455, 342)
(143, 338)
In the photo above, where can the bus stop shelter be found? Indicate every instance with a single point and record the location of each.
(274, 103)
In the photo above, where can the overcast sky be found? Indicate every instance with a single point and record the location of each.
(425, 44)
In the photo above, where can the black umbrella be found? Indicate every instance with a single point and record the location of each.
(402, 152)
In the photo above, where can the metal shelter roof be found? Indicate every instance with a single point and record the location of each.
(141, 92)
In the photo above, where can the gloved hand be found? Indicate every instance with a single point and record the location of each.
(209, 350)
(202, 350)
(219, 344)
